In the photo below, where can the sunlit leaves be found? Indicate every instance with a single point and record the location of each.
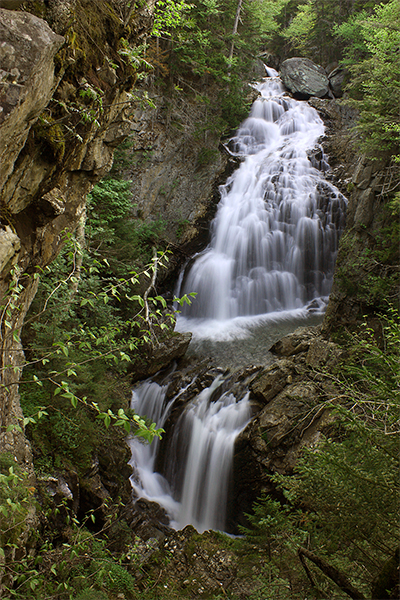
(170, 14)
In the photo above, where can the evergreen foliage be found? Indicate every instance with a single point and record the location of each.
(203, 48)
(373, 60)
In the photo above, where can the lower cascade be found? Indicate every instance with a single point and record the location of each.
(273, 248)
(194, 487)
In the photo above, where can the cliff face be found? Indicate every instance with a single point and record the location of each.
(63, 104)
(173, 165)
(367, 270)
(367, 274)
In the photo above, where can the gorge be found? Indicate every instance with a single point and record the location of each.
(125, 133)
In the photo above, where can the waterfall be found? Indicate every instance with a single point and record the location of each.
(273, 247)
(275, 236)
(194, 489)
(149, 400)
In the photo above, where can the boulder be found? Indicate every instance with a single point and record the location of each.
(160, 356)
(304, 78)
(148, 520)
(296, 342)
(272, 380)
(336, 80)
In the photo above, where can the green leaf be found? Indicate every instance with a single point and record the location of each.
(36, 380)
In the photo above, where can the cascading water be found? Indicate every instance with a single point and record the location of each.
(195, 487)
(273, 248)
(275, 235)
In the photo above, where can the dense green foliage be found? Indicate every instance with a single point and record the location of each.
(373, 61)
(85, 327)
(202, 47)
(376, 261)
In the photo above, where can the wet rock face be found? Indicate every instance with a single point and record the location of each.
(160, 356)
(304, 78)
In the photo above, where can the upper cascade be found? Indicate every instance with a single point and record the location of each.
(275, 237)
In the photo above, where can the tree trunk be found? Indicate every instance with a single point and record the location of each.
(235, 28)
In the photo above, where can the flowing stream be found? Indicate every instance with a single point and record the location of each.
(269, 265)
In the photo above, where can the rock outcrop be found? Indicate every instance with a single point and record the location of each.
(174, 171)
(50, 156)
(28, 80)
(293, 395)
(157, 357)
(367, 274)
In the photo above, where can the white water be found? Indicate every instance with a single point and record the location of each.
(201, 455)
(272, 252)
(149, 400)
(275, 236)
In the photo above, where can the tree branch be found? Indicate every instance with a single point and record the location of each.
(336, 576)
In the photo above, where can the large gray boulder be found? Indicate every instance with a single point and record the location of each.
(304, 78)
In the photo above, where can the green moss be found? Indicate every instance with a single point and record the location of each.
(50, 132)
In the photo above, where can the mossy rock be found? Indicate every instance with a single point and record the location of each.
(51, 134)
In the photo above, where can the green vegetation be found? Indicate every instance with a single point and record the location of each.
(202, 42)
(376, 259)
(197, 44)
(79, 566)
(363, 37)
(82, 352)
(375, 75)
(341, 506)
